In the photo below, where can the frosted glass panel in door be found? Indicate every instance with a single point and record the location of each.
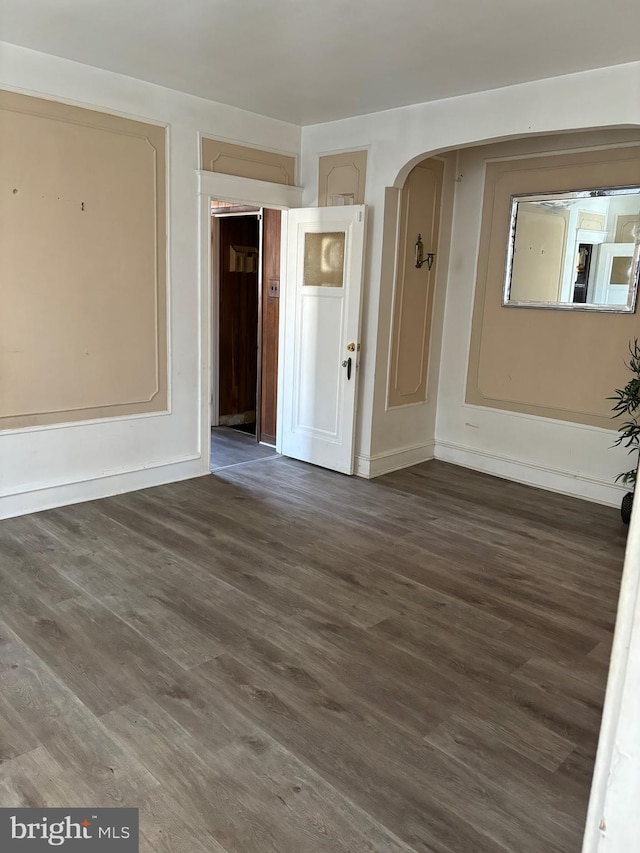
(324, 259)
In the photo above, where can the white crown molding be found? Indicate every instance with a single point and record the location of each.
(248, 190)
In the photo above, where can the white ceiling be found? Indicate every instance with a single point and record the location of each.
(308, 61)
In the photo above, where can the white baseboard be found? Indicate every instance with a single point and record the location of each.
(46, 495)
(393, 460)
(541, 476)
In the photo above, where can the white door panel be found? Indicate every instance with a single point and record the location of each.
(322, 321)
(311, 360)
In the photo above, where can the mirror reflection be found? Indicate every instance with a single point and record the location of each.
(574, 250)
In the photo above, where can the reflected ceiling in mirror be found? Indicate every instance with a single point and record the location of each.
(574, 250)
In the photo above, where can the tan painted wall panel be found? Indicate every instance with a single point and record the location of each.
(82, 248)
(342, 175)
(538, 255)
(245, 162)
(627, 227)
(553, 363)
(414, 290)
(591, 221)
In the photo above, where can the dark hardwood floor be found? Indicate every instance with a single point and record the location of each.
(280, 658)
(233, 447)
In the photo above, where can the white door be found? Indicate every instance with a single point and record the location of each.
(322, 295)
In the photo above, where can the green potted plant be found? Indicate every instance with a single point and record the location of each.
(627, 403)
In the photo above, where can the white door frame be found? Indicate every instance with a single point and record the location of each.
(214, 185)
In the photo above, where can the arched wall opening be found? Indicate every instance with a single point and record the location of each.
(526, 414)
(602, 100)
(566, 139)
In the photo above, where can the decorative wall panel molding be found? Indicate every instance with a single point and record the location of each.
(414, 288)
(83, 248)
(342, 178)
(245, 162)
(555, 364)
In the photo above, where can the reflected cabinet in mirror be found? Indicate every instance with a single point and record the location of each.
(576, 250)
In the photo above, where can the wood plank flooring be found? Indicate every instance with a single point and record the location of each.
(232, 447)
(280, 658)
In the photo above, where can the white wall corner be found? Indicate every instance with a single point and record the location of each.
(393, 460)
(612, 818)
(541, 476)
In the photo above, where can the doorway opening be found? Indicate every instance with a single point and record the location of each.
(246, 291)
(237, 263)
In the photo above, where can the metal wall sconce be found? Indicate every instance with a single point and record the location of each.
(421, 258)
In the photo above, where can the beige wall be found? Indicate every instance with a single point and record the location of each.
(83, 248)
(553, 363)
(342, 178)
(414, 288)
(539, 250)
(247, 162)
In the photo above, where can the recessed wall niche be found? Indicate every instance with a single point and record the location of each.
(415, 288)
(83, 249)
(554, 364)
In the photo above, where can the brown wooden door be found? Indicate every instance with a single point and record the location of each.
(269, 325)
(238, 346)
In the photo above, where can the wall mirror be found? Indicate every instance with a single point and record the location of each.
(574, 250)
